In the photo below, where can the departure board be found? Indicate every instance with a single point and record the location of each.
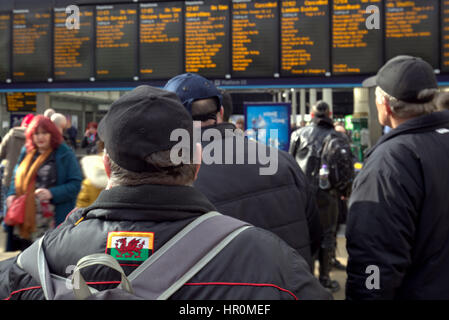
(21, 101)
(255, 32)
(355, 48)
(207, 37)
(73, 48)
(5, 43)
(445, 35)
(116, 42)
(304, 37)
(32, 45)
(412, 29)
(161, 40)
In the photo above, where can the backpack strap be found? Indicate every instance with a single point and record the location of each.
(33, 261)
(196, 244)
(186, 254)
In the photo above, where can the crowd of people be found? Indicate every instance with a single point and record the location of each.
(128, 200)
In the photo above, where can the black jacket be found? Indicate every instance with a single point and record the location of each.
(306, 144)
(255, 265)
(280, 203)
(399, 214)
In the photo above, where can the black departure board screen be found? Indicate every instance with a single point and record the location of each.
(160, 40)
(73, 48)
(32, 45)
(116, 42)
(21, 101)
(412, 29)
(356, 49)
(255, 32)
(445, 35)
(207, 37)
(5, 43)
(304, 37)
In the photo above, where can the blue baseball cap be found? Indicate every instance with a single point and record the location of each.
(191, 87)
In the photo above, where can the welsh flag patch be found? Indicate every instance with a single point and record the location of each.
(130, 247)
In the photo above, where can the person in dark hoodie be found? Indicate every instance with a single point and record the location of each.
(398, 220)
(279, 201)
(306, 144)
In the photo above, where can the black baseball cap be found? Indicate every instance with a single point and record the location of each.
(140, 123)
(403, 77)
(191, 87)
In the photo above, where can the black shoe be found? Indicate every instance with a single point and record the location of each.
(332, 285)
(338, 265)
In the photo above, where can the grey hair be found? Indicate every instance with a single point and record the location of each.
(167, 174)
(406, 110)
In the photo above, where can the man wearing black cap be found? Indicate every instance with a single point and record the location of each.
(398, 221)
(306, 144)
(279, 202)
(148, 200)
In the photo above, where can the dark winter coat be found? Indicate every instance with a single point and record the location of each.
(398, 218)
(280, 203)
(255, 265)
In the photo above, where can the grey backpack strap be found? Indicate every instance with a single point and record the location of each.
(184, 255)
(33, 261)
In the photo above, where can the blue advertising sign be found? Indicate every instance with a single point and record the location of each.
(268, 123)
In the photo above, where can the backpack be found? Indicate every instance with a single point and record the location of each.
(338, 157)
(157, 278)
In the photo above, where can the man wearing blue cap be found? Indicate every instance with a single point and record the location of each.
(279, 202)
(398, 220)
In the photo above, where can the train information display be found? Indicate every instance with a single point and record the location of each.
(255, 32)
(160, 40)
(235, 42)
(116, 42)
(412, 29)
(21, 101)
(31, 48)
(445, 35)
(73, 48)
(207, 37)
(355, 48)
(5, 43)
(304, 38)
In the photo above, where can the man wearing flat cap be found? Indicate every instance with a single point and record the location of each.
(398, 221)
(149, 199)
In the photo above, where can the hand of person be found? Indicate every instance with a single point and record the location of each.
(43, 194)
(9, 200)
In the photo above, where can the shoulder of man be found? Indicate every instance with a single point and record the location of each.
(266, 258)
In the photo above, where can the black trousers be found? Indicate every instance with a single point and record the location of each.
(327, 202)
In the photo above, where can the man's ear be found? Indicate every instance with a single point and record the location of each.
(107, 165)
(387, 107)
(198, 152)
(220, 115)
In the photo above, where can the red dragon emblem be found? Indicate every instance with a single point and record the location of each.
(133, 247)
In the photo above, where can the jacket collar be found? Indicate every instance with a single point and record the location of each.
(149, 202)
(420, 124)
(323, 122)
